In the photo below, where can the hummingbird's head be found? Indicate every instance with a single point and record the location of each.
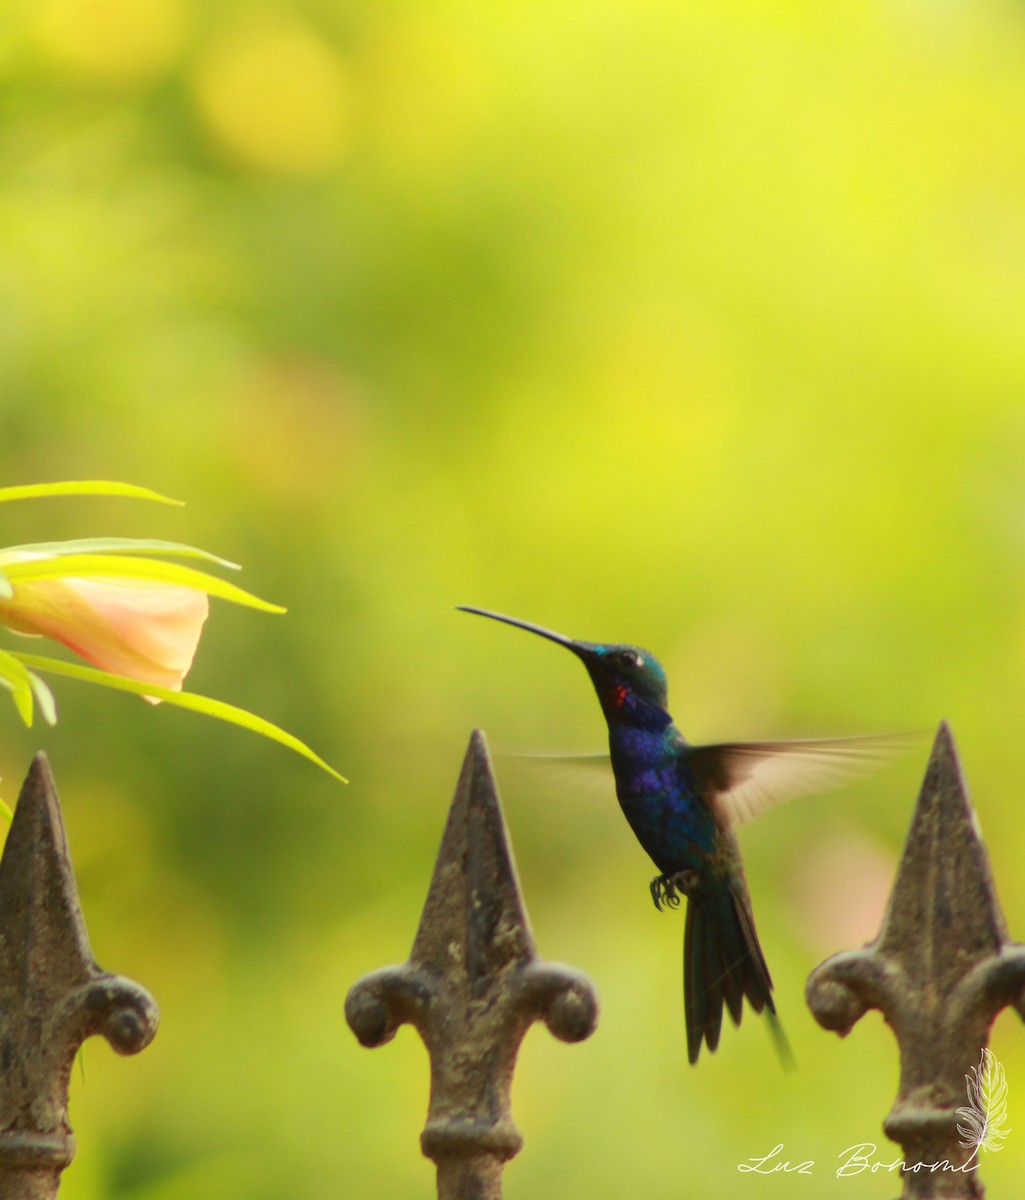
(630, 682)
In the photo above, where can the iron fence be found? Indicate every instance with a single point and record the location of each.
(940, 970)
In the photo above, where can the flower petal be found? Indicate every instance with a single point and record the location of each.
(145, 631)
(159, 624)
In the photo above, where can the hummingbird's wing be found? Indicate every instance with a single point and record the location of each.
(585, 759)
(742, 779)
(563, 779)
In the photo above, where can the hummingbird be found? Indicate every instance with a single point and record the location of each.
(682, 803)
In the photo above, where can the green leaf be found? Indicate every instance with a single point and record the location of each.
(201, 704)
(125, 567)
(84, 487)
(44, 698)
(36, 550)
(17, 679)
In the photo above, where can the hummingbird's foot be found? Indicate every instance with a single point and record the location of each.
(662, 891)
(667, 889)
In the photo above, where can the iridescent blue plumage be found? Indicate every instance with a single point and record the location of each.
(681, 802)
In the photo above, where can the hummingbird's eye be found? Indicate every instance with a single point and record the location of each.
(629, 659)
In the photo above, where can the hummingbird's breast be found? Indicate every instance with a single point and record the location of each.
(657, 795)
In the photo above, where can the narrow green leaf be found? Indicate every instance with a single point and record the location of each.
(44, 698)
(125, 567)
(35, 550)
(17, 696)
(6, 813)
(84, 487)
(201, 704)
(17, 679)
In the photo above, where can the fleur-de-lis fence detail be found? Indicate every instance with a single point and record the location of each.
(940, 970)
(53, 995)
(473, 985)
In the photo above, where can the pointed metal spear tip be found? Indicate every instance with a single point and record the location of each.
(474, 900)
(36, 814)
(550, 634)
(53, 994)
(944, 769)
(944, 742)
(39, 773)
(478, 749)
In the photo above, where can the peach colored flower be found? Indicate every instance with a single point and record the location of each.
(119, 604)
(142, 629)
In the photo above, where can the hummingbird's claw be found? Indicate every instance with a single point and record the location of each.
(663, 892)
(667, 889)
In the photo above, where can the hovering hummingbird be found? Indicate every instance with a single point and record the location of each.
(682, 802)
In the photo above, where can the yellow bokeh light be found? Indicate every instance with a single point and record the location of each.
(277, 98)
(121, 42)
(429, 92)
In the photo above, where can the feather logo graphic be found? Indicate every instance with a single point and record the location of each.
(983, 1120)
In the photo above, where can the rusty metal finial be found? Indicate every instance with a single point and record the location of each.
(472, 987)
(940, 970)
(53, 995)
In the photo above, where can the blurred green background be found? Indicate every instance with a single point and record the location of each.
(698, 325)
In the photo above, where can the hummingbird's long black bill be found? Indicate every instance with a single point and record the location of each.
(550, 634)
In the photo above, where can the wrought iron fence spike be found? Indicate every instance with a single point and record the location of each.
(940, 970)
(472, 987)
(53, 995)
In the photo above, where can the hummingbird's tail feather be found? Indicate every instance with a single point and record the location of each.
(722, 964)
(780, 1041)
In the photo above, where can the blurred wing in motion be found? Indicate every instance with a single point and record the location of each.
(560, 779)
(743, 779)
(562, 760)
